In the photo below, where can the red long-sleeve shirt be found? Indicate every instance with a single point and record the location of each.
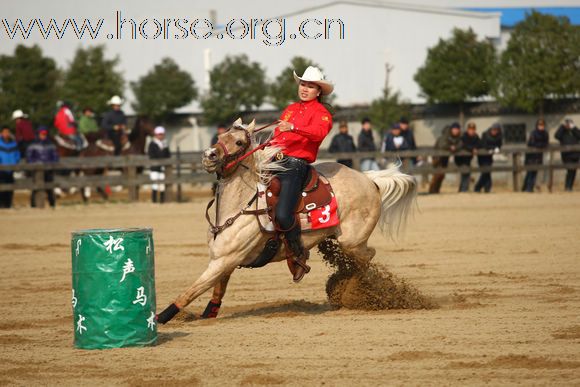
(24, 130)
(64, 121)
(312, 122)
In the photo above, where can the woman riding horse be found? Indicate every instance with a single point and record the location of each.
(302, 128)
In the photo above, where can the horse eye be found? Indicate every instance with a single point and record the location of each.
(239, 143)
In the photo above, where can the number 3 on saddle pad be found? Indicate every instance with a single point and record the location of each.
(324, 217)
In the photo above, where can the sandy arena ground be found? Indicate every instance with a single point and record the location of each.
(504, 268)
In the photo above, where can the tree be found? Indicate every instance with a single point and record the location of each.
(542, 60)
(236, 85)
(163, 89)
(91, 79)
(28, 81)
(457, 69)
(283, 89)
(387, 109)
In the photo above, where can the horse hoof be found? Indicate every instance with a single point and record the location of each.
(169, 312)
(211, 310)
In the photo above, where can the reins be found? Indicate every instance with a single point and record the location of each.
(241, 158)
(216, 229)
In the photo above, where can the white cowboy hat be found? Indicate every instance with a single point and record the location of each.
(159, 130)
(18, 114)
(115, 100)
(314, 75)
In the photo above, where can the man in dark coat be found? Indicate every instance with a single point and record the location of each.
(43, 151)
(569, 134)
(342, 143)
(221, 128)
(395, 140)
(470, 141)
(538, 139)
(366, 143)
(114, 122)
(407, 132)
(491, 142)
(158, 149)
(450, 140)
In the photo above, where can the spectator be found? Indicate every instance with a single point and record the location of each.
(64, 122)
(366, 143)
(115, 122)
(158, 149)
(470, 141)
(407, 132)
(538, 139)
(88, 126)
(491, 142)
(343, 143)
(221, 129)
(23, 130)
(43, 151)
(395, 140)
(9, 155)
(569, 134)
(450, 140)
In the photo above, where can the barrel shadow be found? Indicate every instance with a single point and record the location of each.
(166, 337)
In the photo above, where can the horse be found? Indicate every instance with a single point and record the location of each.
(364, 200)
(134, 142)
(95, 149)
(67, 147)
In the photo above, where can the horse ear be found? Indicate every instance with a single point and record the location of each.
(238, 122)
(251, 126)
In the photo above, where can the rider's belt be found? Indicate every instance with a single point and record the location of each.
(281, 156)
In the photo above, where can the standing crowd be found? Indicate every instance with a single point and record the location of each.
(464, 147)
(20, 141)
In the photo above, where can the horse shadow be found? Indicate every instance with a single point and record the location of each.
(279, 309)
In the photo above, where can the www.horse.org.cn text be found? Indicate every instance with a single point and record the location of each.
(270, 32)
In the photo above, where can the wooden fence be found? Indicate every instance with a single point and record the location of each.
(186, 168)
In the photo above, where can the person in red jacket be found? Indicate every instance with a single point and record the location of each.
(302, 128)
(64, 122)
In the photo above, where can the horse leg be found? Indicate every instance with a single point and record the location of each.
(86, 194)
(362, 254)
(219, 291)
(215, 271)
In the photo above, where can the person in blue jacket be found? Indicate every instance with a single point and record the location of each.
(9, 155)
(43, 151)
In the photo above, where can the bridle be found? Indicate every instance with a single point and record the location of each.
(231, 160)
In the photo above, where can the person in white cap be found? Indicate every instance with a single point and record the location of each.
(302, 128)
(158, 149)
(23, 131)
(114, 122)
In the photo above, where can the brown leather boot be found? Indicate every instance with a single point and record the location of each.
(297, 262)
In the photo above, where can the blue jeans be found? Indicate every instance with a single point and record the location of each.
(369, 165)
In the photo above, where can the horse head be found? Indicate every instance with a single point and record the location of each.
(231, 145)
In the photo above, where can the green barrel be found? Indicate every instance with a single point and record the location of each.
(113, 288)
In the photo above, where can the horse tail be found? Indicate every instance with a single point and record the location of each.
(398, 193)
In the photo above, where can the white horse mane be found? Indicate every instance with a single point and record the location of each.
(265, 163)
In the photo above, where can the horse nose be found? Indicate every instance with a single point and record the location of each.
(211, 154)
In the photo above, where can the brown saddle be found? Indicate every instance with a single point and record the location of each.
(316, 193)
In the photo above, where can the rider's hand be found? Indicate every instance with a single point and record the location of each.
(285, 126)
